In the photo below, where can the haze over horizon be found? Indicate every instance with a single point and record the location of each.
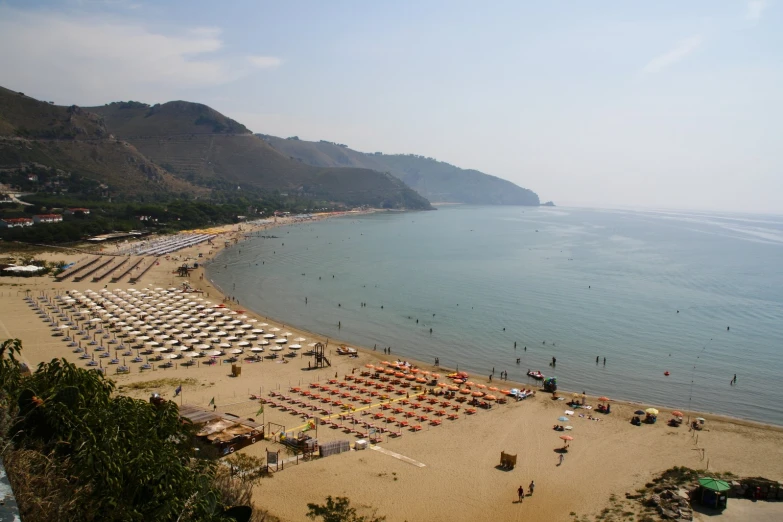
(665, 105)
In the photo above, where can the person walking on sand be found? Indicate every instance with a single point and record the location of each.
(521, 493)
(532, 487)
(562, 457)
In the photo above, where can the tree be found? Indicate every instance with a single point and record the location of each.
(339, 510)
(74, 450)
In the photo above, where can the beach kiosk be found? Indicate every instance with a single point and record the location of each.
(712, 492)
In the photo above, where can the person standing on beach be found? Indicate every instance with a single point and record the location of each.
(562, 457)
(521, 493)
(532, 487)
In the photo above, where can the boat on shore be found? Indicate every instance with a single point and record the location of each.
(535, 374)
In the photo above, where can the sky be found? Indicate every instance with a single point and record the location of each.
(665, 104)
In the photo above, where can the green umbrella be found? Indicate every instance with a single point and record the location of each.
(714, 484)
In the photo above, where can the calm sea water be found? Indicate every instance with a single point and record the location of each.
(575, 284)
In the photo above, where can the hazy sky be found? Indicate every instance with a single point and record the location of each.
(657, 104)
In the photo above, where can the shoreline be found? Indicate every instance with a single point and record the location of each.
(455, 476)
(563, 391)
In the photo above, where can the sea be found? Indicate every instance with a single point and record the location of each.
(617, 297)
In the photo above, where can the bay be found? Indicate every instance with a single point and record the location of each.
(569, 283)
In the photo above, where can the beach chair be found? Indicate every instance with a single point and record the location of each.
(417, 427)
(436, 422)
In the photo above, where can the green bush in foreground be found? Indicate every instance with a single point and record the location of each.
(74, 450)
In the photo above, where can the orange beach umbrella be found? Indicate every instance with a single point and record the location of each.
(677, 414)
(566, 437)
(603, 399)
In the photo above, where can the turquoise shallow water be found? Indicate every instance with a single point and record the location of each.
(588, 283)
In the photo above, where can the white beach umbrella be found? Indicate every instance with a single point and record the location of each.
(257, 349)
(243, 343)
(295, 346)
(300, 339)
(281, 341)
(264, 343)
(276, 348)
(269, 336)
(236, 351)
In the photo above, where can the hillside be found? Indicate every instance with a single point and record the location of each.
(205, 148)
(128, 150)
(435, 180)
(77, 142)
(134, 119)
(25, 117)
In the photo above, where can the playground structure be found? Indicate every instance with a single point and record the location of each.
(507, 461)
(319, 353)
(302, 443)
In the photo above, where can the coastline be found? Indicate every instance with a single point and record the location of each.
(563, 391)
(458, 479)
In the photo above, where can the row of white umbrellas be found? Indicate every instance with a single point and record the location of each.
(162, 319)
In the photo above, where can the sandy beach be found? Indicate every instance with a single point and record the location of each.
(447, 472)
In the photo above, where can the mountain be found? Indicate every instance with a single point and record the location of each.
(203, 147)
(435, 180)
(76, 141)
(176, 149)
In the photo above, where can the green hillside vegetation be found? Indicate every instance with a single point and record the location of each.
(25, 117)
(133, 119)
(231, 159)
(125, 172)
(132, 150)
(435, 180)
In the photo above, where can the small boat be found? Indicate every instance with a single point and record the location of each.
(536, 375)
(666, 373)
